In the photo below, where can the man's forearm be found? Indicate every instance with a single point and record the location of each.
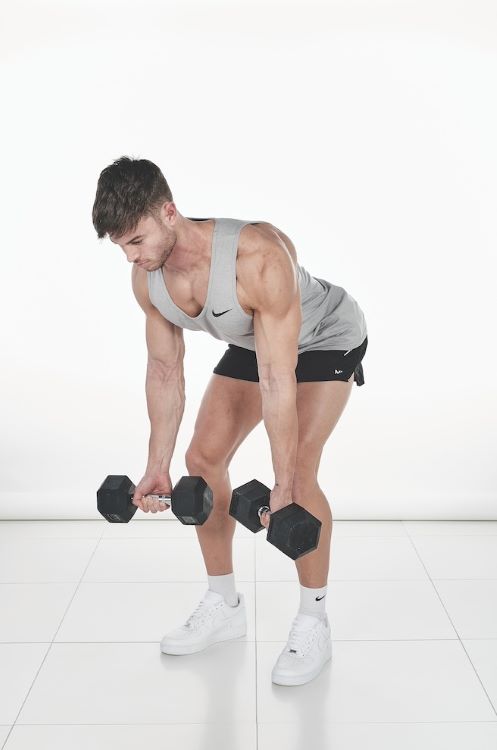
(279, 411)
(165, 391)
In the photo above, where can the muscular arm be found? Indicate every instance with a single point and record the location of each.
(272, 285)
(165, 382)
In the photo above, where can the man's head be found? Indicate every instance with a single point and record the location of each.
(134, 206)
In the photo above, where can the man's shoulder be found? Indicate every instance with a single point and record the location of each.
(260, 243)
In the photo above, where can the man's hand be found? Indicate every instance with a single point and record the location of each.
(278, 499)
(153, 483)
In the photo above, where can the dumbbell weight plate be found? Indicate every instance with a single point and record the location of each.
(246, 501)
(294, 531)
(192, 500)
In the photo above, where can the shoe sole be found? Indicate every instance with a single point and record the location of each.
(289, 680)
(182, 650)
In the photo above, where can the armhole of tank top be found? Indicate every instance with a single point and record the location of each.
(233, 287)
(148, 287)
(151, 284)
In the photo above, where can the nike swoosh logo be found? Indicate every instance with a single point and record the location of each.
(216, 315)
(318, 598)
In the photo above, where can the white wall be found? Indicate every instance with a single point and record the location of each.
(365, 130)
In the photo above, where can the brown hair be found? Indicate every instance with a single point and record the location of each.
(127, 190)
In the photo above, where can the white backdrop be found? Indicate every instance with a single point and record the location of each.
(364, 130)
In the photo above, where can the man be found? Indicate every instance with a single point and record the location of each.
(295, 345)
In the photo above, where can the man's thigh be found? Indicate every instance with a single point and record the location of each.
(229, 410)
(319, 407)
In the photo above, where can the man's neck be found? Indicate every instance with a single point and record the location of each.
(193, 246)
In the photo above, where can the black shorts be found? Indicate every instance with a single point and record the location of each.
(336, 364)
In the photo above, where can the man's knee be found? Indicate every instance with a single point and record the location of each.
(199, 461)
(216, 476)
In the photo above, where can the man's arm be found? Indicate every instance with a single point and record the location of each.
(165, 382)
(275, 297)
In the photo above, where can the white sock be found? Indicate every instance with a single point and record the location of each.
(225, 585)
(312, 601)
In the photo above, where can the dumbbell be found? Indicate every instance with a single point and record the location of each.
(190, 500)
(292, 529)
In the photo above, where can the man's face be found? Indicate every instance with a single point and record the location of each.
(148, 245)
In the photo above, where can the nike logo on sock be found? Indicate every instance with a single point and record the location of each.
(318, 598)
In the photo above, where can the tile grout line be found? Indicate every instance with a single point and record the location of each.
(203, 724)
(53, 638)
(291, 723)
(255, 649)
(278, 640)
(241, 580)
(450, 619)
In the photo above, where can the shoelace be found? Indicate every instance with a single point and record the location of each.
(201, 614)
(300, 641)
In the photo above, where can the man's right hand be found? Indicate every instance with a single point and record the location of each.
(153, 483)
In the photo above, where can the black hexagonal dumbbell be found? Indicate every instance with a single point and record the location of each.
(190, 501)
(292, 529)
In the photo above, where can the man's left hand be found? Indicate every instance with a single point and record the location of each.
(278, 499)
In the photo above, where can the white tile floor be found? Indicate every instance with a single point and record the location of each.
(84, 604)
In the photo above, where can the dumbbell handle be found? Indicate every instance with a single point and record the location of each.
(164, 499)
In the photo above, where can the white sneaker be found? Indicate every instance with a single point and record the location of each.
(307, 651)
(212, 621)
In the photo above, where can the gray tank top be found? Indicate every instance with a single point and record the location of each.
(331, 318)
